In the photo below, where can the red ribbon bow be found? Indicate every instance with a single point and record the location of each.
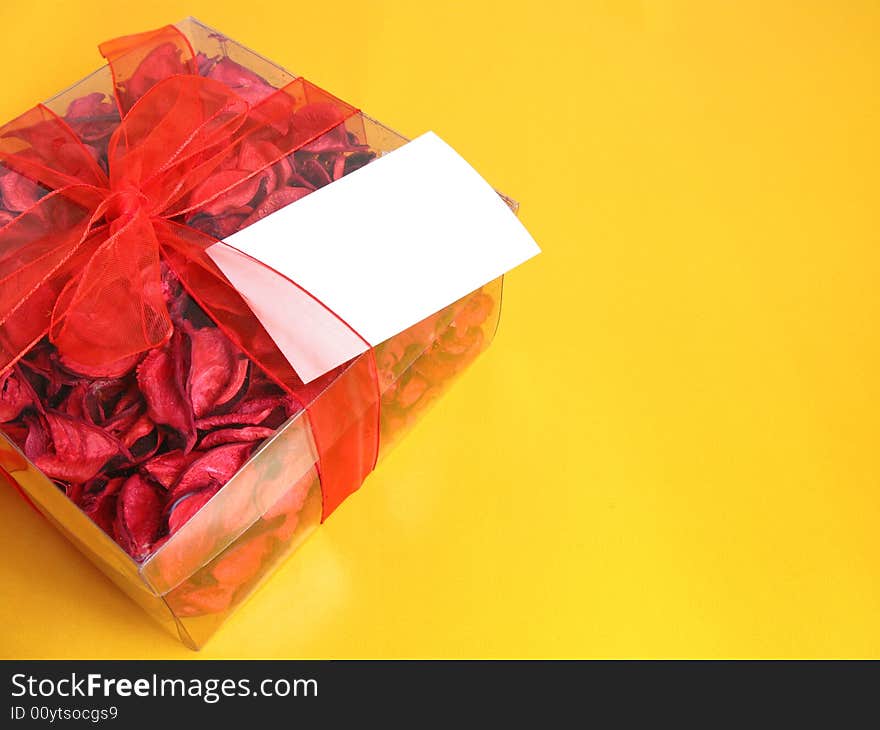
(83, 265)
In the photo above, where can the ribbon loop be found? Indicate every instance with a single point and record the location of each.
(138, 62)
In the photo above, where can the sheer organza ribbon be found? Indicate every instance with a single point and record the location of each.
(83, 265)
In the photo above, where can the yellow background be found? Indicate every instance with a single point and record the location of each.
(672, 447)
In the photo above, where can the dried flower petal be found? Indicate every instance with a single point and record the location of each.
(167, 403)
(98, 501)
(241, 562)
(17, 193)
(314, 172)
(70, 450)
(199, 600)
(411, 390)
(140, 429)
(212, 470)
(475, 311)
(220, 226)
(289, 507)
(275, 201)
(185, 507)
(235, 435)
(217, 371)
(225, 191)
(242, 81)
(138, 517)
(249, 413)
(256, 155)
(15, 396)
(165, 469)
(96, 104)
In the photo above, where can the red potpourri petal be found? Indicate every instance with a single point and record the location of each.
(275, 201)
(14, 396)
(167, 403)
(314, 172)
(289, 507)
(165, 469)
(255, 155)
(138, 517)
(253, 412)
(78, 450)
(225, 191)
(17, 193)
(199, 600)
(247, 434)
(99, 501)
(185, 507)
(242, 561)
(242, 81)
(142, 427)
(217, 373)
(213, 469)
(96, 104)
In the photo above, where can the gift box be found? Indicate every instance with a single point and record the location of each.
(148, 409)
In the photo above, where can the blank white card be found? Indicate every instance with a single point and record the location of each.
(383, 247)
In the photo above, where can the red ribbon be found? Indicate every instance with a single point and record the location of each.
(83, 264)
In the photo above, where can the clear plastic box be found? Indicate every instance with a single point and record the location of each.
(209, 566)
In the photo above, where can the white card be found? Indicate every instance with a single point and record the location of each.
(383, 247)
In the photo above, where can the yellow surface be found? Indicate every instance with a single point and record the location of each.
(672, 447)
